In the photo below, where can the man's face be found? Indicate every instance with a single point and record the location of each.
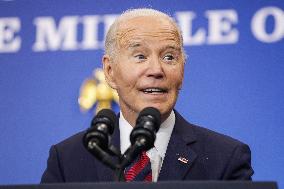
(148, 67)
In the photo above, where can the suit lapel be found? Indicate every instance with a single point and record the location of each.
(179, 156)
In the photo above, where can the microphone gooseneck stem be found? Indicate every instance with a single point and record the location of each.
(119, 175)
(132, 152)
(103, 156)
(126, 159)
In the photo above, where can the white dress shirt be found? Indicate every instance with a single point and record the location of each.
(158, 152)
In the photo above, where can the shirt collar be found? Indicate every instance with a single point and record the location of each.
(162, 138)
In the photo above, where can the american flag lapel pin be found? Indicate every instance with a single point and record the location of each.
(183, 160)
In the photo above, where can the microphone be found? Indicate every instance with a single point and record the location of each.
(97, 138)
(147, 125)
(143, 135)
(102, 127)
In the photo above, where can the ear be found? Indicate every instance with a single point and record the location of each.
(108, 68)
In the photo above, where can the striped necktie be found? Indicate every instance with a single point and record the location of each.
(139, 170)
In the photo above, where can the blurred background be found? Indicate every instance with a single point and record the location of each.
(233, 82)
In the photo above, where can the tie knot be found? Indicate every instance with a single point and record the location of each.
(139, 170)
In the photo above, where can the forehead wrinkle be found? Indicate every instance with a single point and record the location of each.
(127, 35)
(134, 44)
(130, 39)
(121, 35)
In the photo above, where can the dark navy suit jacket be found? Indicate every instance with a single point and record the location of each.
(211, 156)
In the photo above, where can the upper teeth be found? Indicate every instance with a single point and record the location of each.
(153, 90)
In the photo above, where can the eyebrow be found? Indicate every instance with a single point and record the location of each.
(135, 44)
(173, 47)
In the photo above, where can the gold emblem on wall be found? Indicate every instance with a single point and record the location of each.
(96, 90)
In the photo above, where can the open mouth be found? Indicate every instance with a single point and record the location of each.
(154, 90)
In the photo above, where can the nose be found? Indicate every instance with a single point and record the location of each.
(155, 68)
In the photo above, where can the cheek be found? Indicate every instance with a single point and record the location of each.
(129, 74)
(176, 75)
(125, 80)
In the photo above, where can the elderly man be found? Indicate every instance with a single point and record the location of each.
(144, 62)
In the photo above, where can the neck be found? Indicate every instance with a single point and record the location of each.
(129, 116)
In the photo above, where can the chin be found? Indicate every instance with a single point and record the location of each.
(163, 110)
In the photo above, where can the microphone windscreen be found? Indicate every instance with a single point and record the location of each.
(110, 115)
(152, 112)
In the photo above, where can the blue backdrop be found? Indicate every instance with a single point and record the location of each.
(233, 77)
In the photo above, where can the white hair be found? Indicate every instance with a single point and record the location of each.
(111, 37)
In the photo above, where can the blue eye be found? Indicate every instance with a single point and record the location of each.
(140, 56)
(169, 57)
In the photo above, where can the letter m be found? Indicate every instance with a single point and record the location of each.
(51, 37)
